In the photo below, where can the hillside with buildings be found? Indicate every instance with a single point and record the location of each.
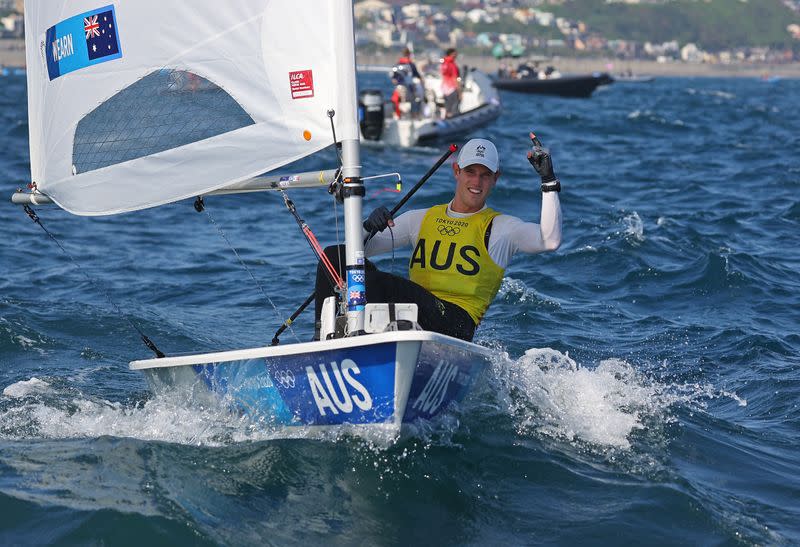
(11, 23)
(712, 31)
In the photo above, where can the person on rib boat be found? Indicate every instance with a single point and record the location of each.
(460, 248)
(451, 83)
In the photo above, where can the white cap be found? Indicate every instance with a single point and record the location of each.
(479, 151)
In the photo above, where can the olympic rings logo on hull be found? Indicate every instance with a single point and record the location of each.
(285, 378)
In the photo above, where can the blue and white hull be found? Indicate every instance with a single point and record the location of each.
(379, 380)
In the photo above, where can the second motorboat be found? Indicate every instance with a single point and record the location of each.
(529, 79)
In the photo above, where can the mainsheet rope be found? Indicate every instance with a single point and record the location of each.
(147, 342)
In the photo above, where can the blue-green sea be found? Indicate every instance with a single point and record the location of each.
(645, 390)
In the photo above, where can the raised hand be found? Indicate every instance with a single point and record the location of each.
(541, 161)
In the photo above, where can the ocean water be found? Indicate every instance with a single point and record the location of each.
(647, 375)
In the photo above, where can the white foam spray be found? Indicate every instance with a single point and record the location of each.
(544, 391)
(604, 406)
(38, 409)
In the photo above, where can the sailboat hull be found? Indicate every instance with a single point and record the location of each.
(386, 380)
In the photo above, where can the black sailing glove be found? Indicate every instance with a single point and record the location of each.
(378, 220)
(542, 162)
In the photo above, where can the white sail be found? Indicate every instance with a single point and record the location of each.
(144, 102)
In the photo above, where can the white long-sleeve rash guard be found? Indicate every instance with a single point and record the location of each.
(510, 235)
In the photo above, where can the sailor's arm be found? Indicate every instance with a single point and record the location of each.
(391, 233)
(529, 237)
(512, 235)
(550, 225)
(550, 222)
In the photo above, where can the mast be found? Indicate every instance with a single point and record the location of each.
(353, 191)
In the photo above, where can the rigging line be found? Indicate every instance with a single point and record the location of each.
(249, 271)
(336, 223)
(333, 189)
(337, 278)
(391, 233)
(338, 235)
(331, 114)
(339, 244)
(334, 193)
(333, 275)
(147, 342)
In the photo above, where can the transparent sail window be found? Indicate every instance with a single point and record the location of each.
(164, 110)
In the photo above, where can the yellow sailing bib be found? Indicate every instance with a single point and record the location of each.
(451, 260)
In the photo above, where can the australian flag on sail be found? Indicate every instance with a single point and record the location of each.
(81, 41)
(101, 35)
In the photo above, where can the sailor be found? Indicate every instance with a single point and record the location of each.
(460, 249)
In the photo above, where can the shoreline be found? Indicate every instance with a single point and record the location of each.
(639, 67)
(12, 54)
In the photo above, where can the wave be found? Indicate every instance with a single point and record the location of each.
(606, 424)
(792, 212)
(551, 395)
(715, 93)
(653, 118)
(15, 335)
(514, 291)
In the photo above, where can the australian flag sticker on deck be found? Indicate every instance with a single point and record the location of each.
(81, 41)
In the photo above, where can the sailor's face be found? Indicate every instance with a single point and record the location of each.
(474, 183)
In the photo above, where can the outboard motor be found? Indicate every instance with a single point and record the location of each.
(370, 113)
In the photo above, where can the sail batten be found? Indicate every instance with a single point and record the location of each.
(202, 97)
